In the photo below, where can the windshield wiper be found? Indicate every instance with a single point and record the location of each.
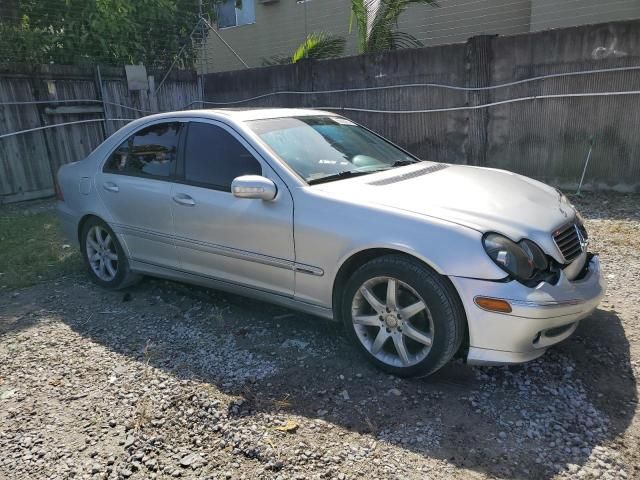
(340, 176)
(402, 163)
(355, 173)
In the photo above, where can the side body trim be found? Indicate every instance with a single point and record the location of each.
(219, 250)
(220, 284)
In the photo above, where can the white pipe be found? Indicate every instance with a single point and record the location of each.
(485, 105)
(65, 124)
(368, 110)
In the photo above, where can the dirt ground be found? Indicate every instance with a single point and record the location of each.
(168, 380)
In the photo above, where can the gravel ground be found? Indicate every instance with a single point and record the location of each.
(167, 380)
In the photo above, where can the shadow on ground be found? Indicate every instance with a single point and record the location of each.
(529, 421)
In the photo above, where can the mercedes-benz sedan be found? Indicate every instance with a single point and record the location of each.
(422, 261)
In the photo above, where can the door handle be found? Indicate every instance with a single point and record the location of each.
(184, 199)
(111, 187)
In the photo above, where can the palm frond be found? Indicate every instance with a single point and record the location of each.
(377, 22)
(318, 46)
(404, 40)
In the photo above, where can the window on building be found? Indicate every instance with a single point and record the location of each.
(233, 13)
(151, 152)
(213, 157)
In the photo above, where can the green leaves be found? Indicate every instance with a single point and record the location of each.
(102, 31)
(376, 22)
(318, 46)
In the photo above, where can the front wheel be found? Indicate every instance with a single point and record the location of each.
(407, 319)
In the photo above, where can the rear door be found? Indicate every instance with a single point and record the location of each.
(238, 240)
(135, 186)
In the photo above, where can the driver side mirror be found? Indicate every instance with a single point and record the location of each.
(254, 186)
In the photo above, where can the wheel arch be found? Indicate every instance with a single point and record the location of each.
(357, 259)
(83, 221)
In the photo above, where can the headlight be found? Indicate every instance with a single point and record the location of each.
(520, 260)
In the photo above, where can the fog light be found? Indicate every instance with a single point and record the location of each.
(493, 304)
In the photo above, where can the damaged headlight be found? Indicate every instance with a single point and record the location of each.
(522, 260)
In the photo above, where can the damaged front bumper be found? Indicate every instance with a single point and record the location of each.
(540, 316)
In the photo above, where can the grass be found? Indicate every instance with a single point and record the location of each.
(32, 248)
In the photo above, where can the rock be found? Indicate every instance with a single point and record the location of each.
(192, 460)
(130, 440)
(6, 394)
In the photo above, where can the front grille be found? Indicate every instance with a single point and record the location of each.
(571, 240)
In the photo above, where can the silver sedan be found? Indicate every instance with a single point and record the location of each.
(422, 261)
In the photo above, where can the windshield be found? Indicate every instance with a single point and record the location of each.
(327, 148)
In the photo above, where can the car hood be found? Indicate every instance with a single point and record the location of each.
(483, 199)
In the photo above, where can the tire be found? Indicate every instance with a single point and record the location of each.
(382, 333)
(99, 245)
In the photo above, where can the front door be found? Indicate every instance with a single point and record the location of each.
(237, 240)
(135, 186)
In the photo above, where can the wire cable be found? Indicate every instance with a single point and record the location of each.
(56, 125)
(484, 105)
(371, 110)
(431, 85)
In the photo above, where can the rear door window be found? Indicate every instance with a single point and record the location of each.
(150, 152)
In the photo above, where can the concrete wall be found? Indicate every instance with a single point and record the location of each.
(546, 139)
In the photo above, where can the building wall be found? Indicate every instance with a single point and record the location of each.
(279, 29)
(454, 21)
(280, 26)
(547, 14)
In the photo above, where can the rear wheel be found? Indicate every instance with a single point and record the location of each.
(104, 256)
(405, 317)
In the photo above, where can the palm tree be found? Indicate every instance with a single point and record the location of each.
(377, 23)
(316, 46)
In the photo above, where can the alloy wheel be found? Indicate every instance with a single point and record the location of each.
(102, 253)
(398, 330)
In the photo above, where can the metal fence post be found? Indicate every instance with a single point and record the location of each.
(100, 92)
(479, 57)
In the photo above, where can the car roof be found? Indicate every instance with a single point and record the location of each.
(243, 114)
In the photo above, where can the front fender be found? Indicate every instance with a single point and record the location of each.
(330, 231)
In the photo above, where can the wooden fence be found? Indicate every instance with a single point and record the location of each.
(531, 103)
(30, 98)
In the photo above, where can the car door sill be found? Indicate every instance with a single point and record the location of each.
(225, 285)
